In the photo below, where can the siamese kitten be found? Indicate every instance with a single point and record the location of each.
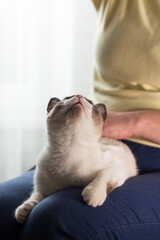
(76, 155)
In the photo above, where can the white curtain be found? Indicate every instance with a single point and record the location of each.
(46, 49)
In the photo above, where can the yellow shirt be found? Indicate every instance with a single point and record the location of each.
(127, 55)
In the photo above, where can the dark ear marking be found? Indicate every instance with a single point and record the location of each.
(102, 110)
(52, 103)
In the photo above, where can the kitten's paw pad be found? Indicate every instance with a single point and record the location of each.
(23, 210)
(94, 197)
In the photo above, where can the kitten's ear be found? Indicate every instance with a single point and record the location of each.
(52, 103)
(102, 110)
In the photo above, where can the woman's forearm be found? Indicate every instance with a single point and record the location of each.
(148, 125)
(145, 124)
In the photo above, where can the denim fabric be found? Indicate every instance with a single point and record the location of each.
(130, 212)
(148, 158)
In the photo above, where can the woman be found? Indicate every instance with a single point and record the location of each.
(127, 67)
(126, 79)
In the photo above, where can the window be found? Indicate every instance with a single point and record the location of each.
(46, 49)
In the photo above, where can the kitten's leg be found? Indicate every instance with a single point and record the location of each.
(23, 210)
(112, 185)
(95, 193)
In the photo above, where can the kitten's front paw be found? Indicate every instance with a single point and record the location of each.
(94, 196)
(23, 210)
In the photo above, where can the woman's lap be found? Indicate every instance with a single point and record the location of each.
(148, 158)
(12, 193)
(131, 211)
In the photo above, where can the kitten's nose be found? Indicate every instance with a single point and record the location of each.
(79, 96)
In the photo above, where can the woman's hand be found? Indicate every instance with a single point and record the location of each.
(120, 125)
(145, 124)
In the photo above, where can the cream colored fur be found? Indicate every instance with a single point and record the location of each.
(76, 155)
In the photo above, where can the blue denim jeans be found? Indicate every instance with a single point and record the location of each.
(130, 212)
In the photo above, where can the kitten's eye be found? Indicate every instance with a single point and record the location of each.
(89, 101)
(66, 98)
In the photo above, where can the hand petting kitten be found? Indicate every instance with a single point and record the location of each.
(143, 124)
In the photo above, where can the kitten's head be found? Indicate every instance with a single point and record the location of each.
(76, 114)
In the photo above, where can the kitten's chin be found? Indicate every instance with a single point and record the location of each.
(78, 104)
(74, 112)
(79, 107)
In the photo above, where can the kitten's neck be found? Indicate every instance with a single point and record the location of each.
(71, 147)
(75, 154)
